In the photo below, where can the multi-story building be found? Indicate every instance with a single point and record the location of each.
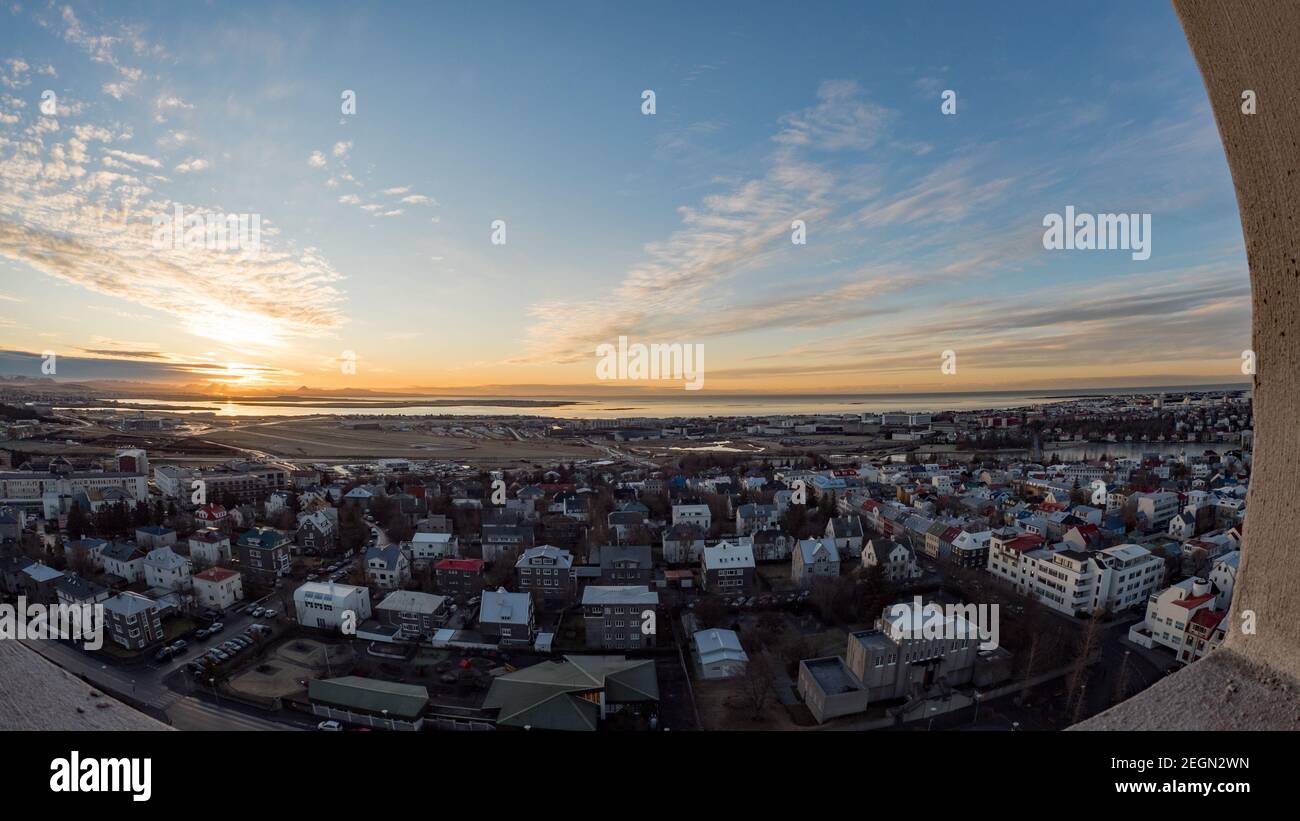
(728, 568)
(133, 621)
(507, 615)
(895, 558)
(620, 617)
(502, 542)
(209, 547)
(1205, 632)
(698, 515)
(166, 570)
(124, 560)
(263, 555)
(331, 606)
(218, 588)
(1155, 510)
(460, 578)
(428, 548)
(387, 567)
(50, 494)
(626, 564)
(547, 573)
(1170, 611)
(413, 614)
(814, 559)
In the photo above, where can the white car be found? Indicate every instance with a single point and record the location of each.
(330, 726)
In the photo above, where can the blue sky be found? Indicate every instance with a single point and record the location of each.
(924, 230)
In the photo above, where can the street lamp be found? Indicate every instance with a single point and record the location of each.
(213, 681)
(978, 697)
(930, 726)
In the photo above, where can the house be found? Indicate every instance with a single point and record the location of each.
(626, 564)
(814, 559)
(729, 569)
(718, 654)
(1224, 576)
(619, 616)
(575, 693)
(166, 570)
(1205, 632)
(154, 536)
(912, 651)
(682, 544)
(413, 614)
(897, 560)
(507, 615)
(74, 591)
(39, 583)
(133, 621)
(387, 567)
(85, 553)
(263, 556)
(210, 515)
(460, 578)
(209, 547)
(1183, 526)
(218, 588)
(755, 517)
(698, 515)
(625, 524)
(331, 606)
(1170, 611)
(847, 533)
(124, 560)
(502, 542)
(429, 548)
(547, 573)
(317, 532)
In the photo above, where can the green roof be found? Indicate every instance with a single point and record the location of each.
(369, 695)
(551, 695)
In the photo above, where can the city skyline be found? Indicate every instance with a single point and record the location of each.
(924, 229)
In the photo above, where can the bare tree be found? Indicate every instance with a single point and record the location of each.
(757, 682)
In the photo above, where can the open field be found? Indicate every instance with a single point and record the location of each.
(296, 660)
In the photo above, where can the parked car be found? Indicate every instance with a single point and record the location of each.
(257, 612)
(329, 726)
(179, 645)
(216, 628)
(163, 654)
(270, 614)
(202, 633)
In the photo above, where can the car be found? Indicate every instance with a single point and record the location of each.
(217, 627)
(179, 645)
(329, 726)
(311, 577)
(163, 654)
(201, 634)
(257, 612)
(270, 614)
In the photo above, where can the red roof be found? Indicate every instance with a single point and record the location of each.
(1025, 543)
(1194, 601)
(216, 574)
(475, 565)
(1209, 618)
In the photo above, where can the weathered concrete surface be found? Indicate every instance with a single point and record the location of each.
(38, 695)
(1253, 45)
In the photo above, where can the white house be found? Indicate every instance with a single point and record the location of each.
(1170, 612)
(218, 588)
(718, 654)
(209, 547)
(165, 569)
(1224, 576)
(432, 547)
(897, 559)
(812, 559)
(327, 605)
(698, 515)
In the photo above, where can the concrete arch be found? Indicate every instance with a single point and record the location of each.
(1253, 681)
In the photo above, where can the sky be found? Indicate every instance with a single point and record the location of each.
(376, 266)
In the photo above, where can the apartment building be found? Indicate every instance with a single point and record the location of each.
(728, 568)
(698, 515)
(547, 573)
(460, 578)
(615, 616)
(331, 606)
(133, 621)
(263, 555)
(218, 588)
